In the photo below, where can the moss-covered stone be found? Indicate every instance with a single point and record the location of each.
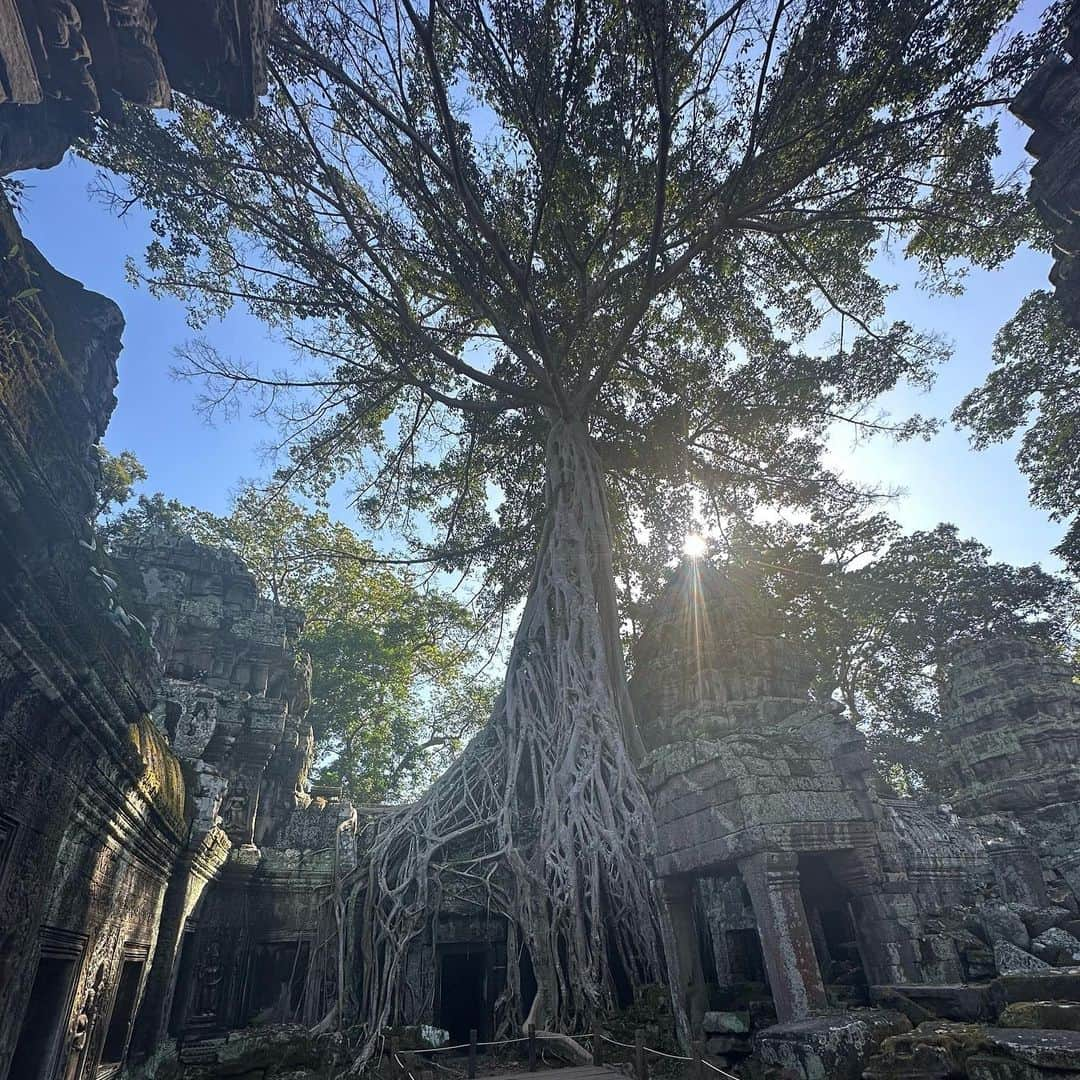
(1062, 1015)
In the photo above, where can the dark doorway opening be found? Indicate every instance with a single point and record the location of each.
(276, 980)
(44, 1020)
(123, 1012)
(828, 912)
(745, 956)
(182, 988)
(463, 997)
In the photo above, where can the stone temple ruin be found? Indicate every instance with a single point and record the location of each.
(169, 876)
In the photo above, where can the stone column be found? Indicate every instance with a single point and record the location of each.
(687, 975)
(772, 879)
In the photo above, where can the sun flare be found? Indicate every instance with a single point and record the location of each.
(695, 545)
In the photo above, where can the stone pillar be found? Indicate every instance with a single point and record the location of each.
(684, 960)
(772, 879)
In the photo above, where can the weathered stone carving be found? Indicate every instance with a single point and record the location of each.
(64, 61)
(1050, 105)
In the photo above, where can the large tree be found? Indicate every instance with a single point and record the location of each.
(545, 242)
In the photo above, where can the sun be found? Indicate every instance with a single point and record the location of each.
(695, 545)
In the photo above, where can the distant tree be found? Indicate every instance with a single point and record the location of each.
(545, 243)
(119, 475)
(395, 686)
(1035, 388)
(881, 613)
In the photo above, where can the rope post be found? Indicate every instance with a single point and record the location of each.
(641, 1066)
(532, 1048)
(597, 1046)
(472, 1053)
(696, 1069)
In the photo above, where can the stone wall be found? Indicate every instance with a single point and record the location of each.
(63, 62)
(1050, 105)
(92, 798)
(792, 887)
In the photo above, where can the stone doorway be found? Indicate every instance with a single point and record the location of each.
(276, 978)
(463, 991)
(45, 1019)
(828, 912)
(123, 1012)
(182, 990)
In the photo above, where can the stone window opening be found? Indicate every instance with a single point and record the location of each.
(123, 1013)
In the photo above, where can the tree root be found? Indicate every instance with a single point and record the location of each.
(542, 820)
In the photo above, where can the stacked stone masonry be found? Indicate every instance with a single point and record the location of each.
(65, 62)
(1050, 105)
(794, 889)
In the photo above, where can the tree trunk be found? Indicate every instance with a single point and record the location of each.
(542, 821)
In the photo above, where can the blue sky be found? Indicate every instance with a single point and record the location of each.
(188, 459)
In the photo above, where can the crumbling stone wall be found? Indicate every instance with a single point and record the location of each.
(92, 800)
(768, 820)
(63, 62)
(1050, 105)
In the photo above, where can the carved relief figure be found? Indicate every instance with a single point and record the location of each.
(210, 977)
(82, 1030)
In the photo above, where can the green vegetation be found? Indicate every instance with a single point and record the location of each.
(881, 612)
(395, 687)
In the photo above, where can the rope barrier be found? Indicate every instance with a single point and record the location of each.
(556, 1035)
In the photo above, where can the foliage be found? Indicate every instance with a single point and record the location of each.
(119, 475)
(548, 244)
(395, 692)
(1035, 388)
(881, 612)
(473, 217)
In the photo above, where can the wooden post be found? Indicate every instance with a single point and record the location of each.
(472, 1053)
(641, 1066)
(597, 1046)
(532, 1048)
(696, 1069)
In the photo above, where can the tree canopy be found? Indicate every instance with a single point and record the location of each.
(1034, 387)
(120, 474)
(881, 612)
(397, 685)
(526, 248)
(470, 218)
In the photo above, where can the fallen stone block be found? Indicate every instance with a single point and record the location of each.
(1049, 984)
(1038, 920)
(937, 1050)
(1010, 959)
(726, 1023)
(1059, 1015)
(1056, 946)
(953, 1002)
(831, 1047)
(1002, 924)
(1040, 1048)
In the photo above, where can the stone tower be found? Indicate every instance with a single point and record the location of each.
(1011, 715)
